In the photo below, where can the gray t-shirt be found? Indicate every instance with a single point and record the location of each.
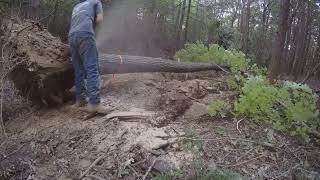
(83, 16)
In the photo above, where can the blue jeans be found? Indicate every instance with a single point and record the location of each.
(85, 62)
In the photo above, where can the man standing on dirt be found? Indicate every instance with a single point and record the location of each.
(84, 52)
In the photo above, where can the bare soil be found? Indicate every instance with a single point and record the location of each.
(60, 144)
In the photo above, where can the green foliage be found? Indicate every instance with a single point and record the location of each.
(193, 53)
(258, 71)
(198, 52)
(233, 85)
(219, 108)
(237, 61)
(216, 54)
(258, 99)
(291, 107)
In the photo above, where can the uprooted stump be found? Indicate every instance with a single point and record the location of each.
(46, 74)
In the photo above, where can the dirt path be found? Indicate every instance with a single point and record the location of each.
(61, 144)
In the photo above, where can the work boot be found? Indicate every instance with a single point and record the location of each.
(97, 108)
(80, 103)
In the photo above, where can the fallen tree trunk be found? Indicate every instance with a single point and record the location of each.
(113, 64)
(46, 74)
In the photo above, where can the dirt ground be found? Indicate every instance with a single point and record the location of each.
(63, 143)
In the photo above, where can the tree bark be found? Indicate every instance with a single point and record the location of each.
(289, 43)
(187, 23)
(263, 30)
(301, 41)
(277, 55)
(245, 26)
(116, 64)
(180, 27)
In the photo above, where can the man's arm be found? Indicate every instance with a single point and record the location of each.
(99, 18)
(99, 12)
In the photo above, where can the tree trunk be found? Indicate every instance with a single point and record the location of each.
(308, 36)
(187, 23)
(180, 27)
(245, 26)
(116, 64)
(277, 57)
(197, 26)
(177, 21)
(301, 41)
(53, 25)
(289, 43)
(235, 13)
(262, 37)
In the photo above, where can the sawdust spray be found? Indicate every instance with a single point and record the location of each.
(113, 27)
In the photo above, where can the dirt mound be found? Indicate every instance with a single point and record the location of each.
(177, 97)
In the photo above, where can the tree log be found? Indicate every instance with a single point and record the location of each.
(117, 64)
(48, 85)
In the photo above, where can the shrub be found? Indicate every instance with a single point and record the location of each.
(193, 53)
(198, 52)
(237, 61)
(219, 108)
(233, 85)
(257, 99)
(291, 107)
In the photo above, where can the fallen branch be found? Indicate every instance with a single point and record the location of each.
(130, 115)
(134, 171)
(142, 161)
(241, 157)
(238, 125)
(2, 79)
(12, 153)
(90, 167)
(222, 68)
(93, 114)
(3, 129)
(149, 169)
